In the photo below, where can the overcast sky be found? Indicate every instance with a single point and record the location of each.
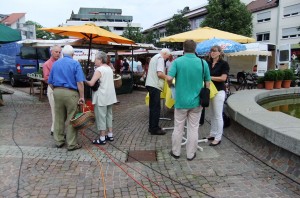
(54, 12)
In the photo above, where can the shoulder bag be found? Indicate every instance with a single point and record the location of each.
(204, 92)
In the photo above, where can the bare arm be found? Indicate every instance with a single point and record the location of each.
(207, 84)
(161, 75)
(169, 80)
(95, 77)
(81, 92)
(221, 78)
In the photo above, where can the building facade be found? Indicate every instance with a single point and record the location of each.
(17, 21)
(102, 17)
(274, 21)
(195, 16)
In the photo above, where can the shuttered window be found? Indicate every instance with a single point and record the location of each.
(292, 32)
(265, 16)
(291, 10)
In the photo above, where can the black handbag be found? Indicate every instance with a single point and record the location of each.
(89, 77)
(204, 92)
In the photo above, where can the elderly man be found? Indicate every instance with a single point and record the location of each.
(66, 78)
(55, 55)
(188, 72)
(154, 84)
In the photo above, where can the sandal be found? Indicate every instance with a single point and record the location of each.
(109, 138)
(98, 141)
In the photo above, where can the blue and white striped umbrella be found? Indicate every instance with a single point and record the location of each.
(228, 46)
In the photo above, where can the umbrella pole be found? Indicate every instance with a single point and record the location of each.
(88, 62)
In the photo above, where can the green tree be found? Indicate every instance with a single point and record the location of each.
(150, 37)
(40, 34)
(177, 24)
(228, 15)
(106, 28)
(133, 33)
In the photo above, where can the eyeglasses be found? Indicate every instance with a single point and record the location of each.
(214, 50)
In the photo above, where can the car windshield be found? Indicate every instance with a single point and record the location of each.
(35, 53)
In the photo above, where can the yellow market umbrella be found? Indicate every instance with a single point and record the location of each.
(90, 32)
(205, 33)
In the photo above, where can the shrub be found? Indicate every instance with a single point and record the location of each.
(288, 74)
(260, 80)
(280, 74)
(270, 75)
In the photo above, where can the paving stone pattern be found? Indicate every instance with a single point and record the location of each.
(45, 171)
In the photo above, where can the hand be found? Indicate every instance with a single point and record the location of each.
(81, 101)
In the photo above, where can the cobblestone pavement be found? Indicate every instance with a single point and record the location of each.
(31, 166)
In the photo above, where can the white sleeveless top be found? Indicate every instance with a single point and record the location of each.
(106, 93)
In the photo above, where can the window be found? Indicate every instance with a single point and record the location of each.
(262, 58)
(265, 16)
(284, 55)
(34, 53)
(263, 36)
(291, 10)
(292, 32)
(119, 28)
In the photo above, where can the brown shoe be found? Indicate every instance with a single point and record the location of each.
(77, 146)
(159, 132)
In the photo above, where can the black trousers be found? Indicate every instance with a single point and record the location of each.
(154, 108)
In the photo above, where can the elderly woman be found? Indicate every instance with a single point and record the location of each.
(103, 98)
(219, 70)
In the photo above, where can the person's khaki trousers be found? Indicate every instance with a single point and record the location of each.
(65, 107)
(191, 117)
(51, 102)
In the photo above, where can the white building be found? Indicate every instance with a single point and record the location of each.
(275, 21)
(17, 21)
(102, 17)
(195, 16)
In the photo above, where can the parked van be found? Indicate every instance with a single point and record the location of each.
(18, 59)
(288, 56)
(257, 58)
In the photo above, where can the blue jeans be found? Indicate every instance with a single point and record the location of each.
(154, 108)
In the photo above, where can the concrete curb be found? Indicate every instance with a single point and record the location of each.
(280, 129)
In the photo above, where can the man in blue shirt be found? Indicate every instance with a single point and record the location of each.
(188, 72)
(66, 79)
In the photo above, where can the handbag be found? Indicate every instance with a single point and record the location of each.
(204, 92)
(89, 77)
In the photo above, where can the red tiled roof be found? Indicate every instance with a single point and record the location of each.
(259, 5)
(12, 18)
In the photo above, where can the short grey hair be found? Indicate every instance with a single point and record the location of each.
(68, 50)
(165, 51)
(101, 56)
(55, 47)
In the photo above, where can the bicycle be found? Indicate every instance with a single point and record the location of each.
(246, 80)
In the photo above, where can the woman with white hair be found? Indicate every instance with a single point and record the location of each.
(103, 98)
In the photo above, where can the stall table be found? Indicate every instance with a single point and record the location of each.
(42, 85)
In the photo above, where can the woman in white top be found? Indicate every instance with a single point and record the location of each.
(103, 98)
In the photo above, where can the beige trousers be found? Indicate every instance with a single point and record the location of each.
(51, 102)
(191, 117)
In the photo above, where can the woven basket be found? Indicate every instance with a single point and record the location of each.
(84, 120)
(117, 81)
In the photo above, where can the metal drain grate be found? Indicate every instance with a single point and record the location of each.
(143, 156)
